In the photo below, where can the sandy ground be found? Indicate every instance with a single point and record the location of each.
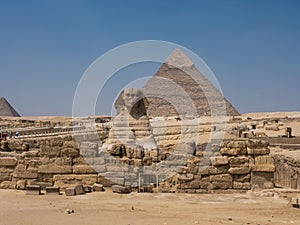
(107, 208)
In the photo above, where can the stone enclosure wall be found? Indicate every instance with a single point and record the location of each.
(287, 174)
(49, 161)
(237, 164)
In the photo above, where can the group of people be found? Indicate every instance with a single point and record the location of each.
(4, 134)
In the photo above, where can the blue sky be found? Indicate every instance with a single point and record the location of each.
(252, 47)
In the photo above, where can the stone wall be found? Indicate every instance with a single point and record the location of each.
(239, 164)
(45, 161)
(287, 174)
(60, 161)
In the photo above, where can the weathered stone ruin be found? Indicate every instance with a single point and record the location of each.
(150, 145)
(60, 161)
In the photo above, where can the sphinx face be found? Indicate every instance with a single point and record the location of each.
(131, 96)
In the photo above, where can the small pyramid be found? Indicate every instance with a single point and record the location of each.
(6, 109)
(179, 88)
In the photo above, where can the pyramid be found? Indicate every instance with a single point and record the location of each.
(6, 109)
(179, 88)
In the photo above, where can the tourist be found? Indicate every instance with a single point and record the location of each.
(10, 134)
(4, 134)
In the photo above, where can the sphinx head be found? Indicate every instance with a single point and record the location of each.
(133, 101)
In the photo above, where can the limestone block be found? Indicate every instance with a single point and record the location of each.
(5, 177)
(213, 170)
(6, 169)
(18, 145)
(120, 189)
(83, 169)
(257, 144)
(37, 181)
(218, 161)
(21, 184)
(239, 161)
(239, 170)
(241, 185)
(98, 187)
(116, 168)
(194, 184)
(49, 151)
(99, 168)
(129, 152)
(70, 144)
(56, 169)
(70, 152)
(185, 177)
(55, 142)
(31, 154)
(265, 151)
(257, 147)
(136, 162)
(7, 154)
(117, 150)
(236, 144)
(188, 185)
(88, 152)
(67, 138)
(147, 161)
(24, 164)
(21, 168)
(222, 181)
(233, 151)
(79, 189)
(5, 185)
(24, 147)
(8, 161)
(60, 161)
(70, 192)
(242, 178)
(4, 145)
(221, 185)
(188, 148)
(98, 161)
(221, 177)
(89, 145)
(52, 190)
(30, 173)
(82, 161)
(204, 183)
(87, 189)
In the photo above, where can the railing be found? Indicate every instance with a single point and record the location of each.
(51, 131)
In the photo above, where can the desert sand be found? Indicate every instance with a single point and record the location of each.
(107, 208)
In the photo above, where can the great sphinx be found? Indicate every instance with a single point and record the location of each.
(130, 135)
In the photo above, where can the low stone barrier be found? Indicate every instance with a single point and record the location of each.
(236, 164)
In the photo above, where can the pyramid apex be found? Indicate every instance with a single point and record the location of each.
(178, 59)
